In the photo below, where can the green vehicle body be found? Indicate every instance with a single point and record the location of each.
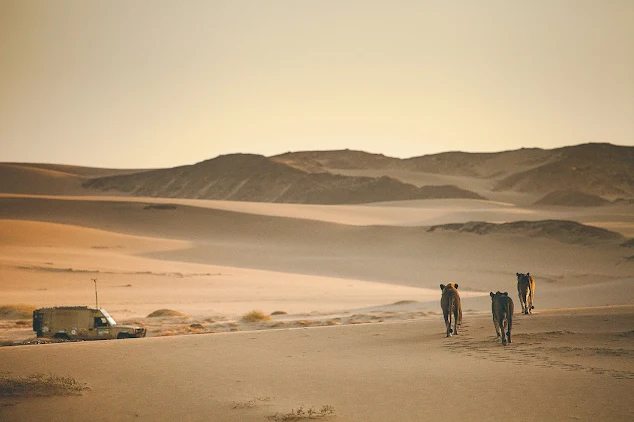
(81, 323)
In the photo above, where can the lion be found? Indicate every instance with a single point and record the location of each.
(526, 292)
(450, 304)
(502, 310)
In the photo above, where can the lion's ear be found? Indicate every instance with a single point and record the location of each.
(492, 294)
(442, 287)
(528, 274)
(506, 293)
(517, 274)
(456, 286)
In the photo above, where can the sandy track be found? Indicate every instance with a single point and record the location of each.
(573, 364)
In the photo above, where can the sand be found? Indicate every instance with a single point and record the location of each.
(572, 364)
(357, 292)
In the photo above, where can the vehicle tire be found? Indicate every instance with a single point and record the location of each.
(61, 336)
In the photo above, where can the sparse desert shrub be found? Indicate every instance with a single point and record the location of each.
(165, 313)
(196, 326)
(278, 313)
(250, 403)
(255, 316)
(16, 311)
(301, 413)
(39, 385)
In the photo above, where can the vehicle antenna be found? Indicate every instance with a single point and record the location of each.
(96, 299)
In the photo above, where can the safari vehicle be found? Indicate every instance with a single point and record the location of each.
(80, 323)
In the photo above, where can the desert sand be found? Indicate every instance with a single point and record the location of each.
(355, 291)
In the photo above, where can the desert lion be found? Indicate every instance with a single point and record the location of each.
(502, 309)
(526, 291)
(450, 304)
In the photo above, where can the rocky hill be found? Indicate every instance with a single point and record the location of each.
(248, 177)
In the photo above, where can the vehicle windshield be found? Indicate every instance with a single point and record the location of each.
(108, 317)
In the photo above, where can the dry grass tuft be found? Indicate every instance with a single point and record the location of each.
(165, 313)
(39, 385)
(16, 311)
(255, 316)
(250, 403)
(301, 413)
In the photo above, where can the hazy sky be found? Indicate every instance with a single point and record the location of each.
(164, 83)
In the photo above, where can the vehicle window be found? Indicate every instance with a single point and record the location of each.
(101, 322)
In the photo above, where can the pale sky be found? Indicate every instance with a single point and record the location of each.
(135, 84)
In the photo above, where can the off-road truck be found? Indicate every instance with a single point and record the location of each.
(81, 323)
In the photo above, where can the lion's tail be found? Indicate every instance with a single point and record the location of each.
(509, 313)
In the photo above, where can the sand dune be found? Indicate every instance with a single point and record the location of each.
(402, 255)
(362, 281)
(16, 178)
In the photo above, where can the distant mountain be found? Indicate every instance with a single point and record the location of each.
(338, 159)
(602, 170)
(481, 165)
(598, 169)
(248, 177)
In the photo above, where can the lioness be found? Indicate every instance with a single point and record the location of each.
(526, 291)
(502, 309)
(450, 304)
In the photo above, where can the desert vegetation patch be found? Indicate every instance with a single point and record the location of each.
(255, 316)
(39, 385)
(165, 313)
(303, 413)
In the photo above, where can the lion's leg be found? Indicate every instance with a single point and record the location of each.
(497, 328)
(446, 314)
(519, 294)
(531, 298)
(509, 320)
(455, 320)
(503, 328)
